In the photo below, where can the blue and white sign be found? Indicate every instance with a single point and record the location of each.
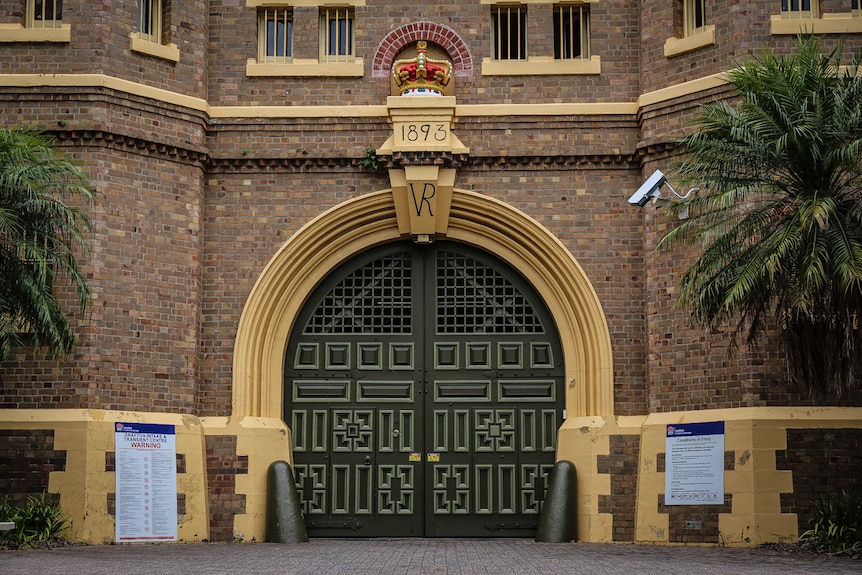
(146, 484)
(694, 464)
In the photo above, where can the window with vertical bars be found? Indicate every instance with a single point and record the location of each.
(799, 8)
(694, 14)
(571, 32)
(336, 35)
(855, 9)
(509, 32)
(44, 13)
(150, 20)
(275, 35)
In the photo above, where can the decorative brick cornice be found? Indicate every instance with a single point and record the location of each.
(110, 139)
(400, 159)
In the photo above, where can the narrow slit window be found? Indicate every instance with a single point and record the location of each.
(509, 32)
(571, 32)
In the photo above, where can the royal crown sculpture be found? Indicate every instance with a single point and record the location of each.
(421, 76)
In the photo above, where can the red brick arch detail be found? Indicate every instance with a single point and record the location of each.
(444, 37)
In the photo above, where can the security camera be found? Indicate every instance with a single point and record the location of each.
(648, 189)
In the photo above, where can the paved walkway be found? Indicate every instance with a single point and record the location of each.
(417, 557)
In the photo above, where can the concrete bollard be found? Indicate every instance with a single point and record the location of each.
(558, 521)
(284, 521)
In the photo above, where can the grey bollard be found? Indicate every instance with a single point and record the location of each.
(284, 521)
(558, 521)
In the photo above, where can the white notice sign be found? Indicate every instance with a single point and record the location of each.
(146, 469)
(694, 464)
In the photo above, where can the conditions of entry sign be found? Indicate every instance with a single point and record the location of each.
(694, 464)
(146, 470)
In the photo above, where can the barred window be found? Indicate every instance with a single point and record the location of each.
(44, 13)
(571, 32)
(150, 20)
(336, 34)
(509, 32)
(855, 9)
(695, 16)
(275, 35)
(800, 8)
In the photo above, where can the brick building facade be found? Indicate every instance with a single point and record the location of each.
(231, 184)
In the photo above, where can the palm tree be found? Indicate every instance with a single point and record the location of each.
(779, 216)
(39, 236)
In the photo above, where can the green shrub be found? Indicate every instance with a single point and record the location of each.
(836, 525)
(37, 521)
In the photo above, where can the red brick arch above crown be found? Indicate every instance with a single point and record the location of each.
(444, 37)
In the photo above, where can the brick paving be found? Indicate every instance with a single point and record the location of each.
(417, 557)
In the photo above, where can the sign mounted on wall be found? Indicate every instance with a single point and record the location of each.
(694, 464)
(146, 482)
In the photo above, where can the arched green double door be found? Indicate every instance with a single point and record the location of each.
(423, 388)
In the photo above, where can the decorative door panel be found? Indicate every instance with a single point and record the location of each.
(423, 388)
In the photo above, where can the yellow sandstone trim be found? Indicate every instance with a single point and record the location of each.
(168, 52)
(684, 89)
(102, 81)
(18, 33)
(753, 435)
(582, 440)
(541, 66)
(356, 225)
(755, 485)
(263, 441)
(677, 46)
(845, 23)
(306, 68)
(86, 436)
(375, 111)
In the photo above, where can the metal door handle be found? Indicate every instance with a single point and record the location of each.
(367, 460)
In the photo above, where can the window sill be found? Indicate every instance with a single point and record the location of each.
(828, 24)
(18, 33)
(169, 52)
(541, 66)
(306, 68)
(676, 46)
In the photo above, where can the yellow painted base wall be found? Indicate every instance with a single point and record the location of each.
(752, 438)
(87, 436)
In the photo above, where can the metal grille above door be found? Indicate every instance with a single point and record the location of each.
(423, 388)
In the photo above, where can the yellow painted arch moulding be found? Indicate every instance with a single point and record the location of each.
(369, 220)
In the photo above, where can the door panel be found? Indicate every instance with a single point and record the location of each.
(423, 390)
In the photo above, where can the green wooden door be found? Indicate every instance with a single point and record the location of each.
(423, 387)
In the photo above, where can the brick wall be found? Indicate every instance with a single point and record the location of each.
(139, 348)
(192, 208)
(622, 465)
(232, 30)
(27, 458)
(824, 462)
(223, 465)
(100, 45)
